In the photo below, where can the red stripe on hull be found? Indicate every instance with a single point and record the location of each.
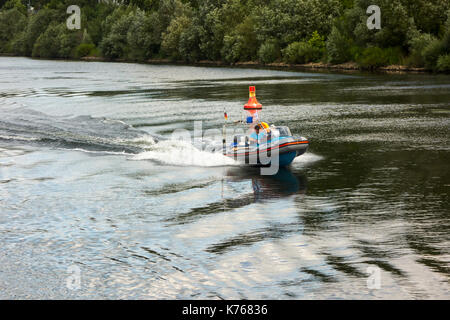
(269, 149)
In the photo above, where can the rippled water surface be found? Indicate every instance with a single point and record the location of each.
(91, 181)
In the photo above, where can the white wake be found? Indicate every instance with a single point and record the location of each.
(183, 153)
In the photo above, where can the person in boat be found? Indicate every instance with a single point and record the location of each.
(259, 132)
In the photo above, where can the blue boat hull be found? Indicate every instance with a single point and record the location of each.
(286, 159)
(286, 149)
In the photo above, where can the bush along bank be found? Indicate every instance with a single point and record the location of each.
(414, 34)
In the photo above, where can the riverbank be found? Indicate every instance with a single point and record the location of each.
(319, 66)
(314, 66)
(348, 66)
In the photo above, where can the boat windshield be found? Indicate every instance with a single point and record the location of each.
(274, 134)
(283, 131)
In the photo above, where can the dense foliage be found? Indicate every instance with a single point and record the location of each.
(413, 32)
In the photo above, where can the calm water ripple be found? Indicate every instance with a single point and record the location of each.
(89, 178)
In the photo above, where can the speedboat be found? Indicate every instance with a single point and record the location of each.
(274, 145)
(278, 146)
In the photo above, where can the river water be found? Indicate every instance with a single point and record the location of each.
(97, 201)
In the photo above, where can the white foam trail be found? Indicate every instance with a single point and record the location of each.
(149, 140)
(121, 153)
(5, 137)
(144, 141)
(307, 158)
(182, 153)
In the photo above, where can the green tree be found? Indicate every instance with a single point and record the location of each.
(294, 20)
(429, 15)
(56, 42)
(17, 4)
(305, 51)
(93, 18)
(338, 46)
(317, 41)
(46, 45)
(211, 31)
(68, 40)
(18, 44)
(84, 49)
(241, 44)
(37, 24)
(417, 44)
(143, 36)
(300, 53)
(431, 53)
(443, 63)
(269, 51)
(12, 22)
(115, 45)
(395, 24)
(172, 37)
(145, 5)
(190, 42)
(171, 9)
(375, 57)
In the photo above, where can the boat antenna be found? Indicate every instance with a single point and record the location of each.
(225, 116)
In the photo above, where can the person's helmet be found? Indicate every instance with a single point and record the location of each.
(263, 125)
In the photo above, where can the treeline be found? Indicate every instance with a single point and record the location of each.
(415, 33)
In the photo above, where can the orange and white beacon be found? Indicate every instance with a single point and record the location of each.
(253, 108)
(267, 146)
